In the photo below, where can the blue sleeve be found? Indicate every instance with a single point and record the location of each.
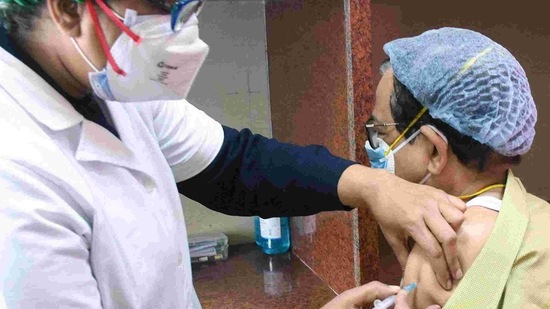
(255, 175)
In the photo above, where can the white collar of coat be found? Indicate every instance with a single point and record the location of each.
(51, 109)
(35, 95)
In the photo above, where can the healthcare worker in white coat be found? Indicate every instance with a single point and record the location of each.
(98, 140)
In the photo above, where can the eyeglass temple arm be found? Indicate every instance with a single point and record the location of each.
(371, 125)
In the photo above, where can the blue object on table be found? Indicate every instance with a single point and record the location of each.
(272, 235)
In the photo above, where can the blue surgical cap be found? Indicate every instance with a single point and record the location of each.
(469, 82)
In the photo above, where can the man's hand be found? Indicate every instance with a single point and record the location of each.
(403, 210)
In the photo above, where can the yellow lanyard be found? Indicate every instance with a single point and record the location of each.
(464, 197)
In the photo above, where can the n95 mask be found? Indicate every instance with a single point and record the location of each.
(162, 66)
(378, 158)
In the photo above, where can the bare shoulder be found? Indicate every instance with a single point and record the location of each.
(471, 237)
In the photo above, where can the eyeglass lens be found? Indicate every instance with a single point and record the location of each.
(182, 11)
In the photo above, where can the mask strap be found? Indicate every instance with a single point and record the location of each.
(81, 52)
(117, 20)
(405, 142)
(101, 36)
(118, 16)
(439, 133)
(423, 181)
(415, 134)
(102, 39)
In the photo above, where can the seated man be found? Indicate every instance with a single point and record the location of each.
(454, 111)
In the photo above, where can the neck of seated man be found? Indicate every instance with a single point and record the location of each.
(460, 180)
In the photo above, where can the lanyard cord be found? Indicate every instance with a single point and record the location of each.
(464, 197)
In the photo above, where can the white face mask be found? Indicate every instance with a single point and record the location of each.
(379, 160)
(162, 67)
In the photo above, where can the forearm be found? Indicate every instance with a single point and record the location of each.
(254, 175)
(359, 185)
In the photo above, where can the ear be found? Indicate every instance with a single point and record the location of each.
(439, 155)
(66, 14)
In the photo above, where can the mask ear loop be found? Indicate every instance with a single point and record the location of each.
(81, 52)
(405, 142)
(101, 35)
(439, 133)
(423, 181)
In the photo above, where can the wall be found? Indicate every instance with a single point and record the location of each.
(320, 93)
(386, 23)
(232, 88)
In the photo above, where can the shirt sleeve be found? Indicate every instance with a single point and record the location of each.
(255, 175)
(45, 257)
(188, 138)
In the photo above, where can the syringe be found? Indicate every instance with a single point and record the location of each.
(390, 301)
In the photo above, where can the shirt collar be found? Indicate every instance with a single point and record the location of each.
(32, 92)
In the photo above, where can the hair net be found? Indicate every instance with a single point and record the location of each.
(471, 83)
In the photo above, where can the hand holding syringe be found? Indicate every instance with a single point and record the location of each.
(390, 301)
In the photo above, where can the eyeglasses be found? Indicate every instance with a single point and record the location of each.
(372, 133)
(181, 10)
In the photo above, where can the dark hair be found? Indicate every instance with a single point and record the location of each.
(404, 107)
(19, 19)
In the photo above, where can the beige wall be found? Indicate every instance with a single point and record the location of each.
(232, 88)
(522, 27)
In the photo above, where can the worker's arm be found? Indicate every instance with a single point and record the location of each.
(240, 173)
(254, 175)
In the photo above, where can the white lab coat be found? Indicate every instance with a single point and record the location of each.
(88, 221)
